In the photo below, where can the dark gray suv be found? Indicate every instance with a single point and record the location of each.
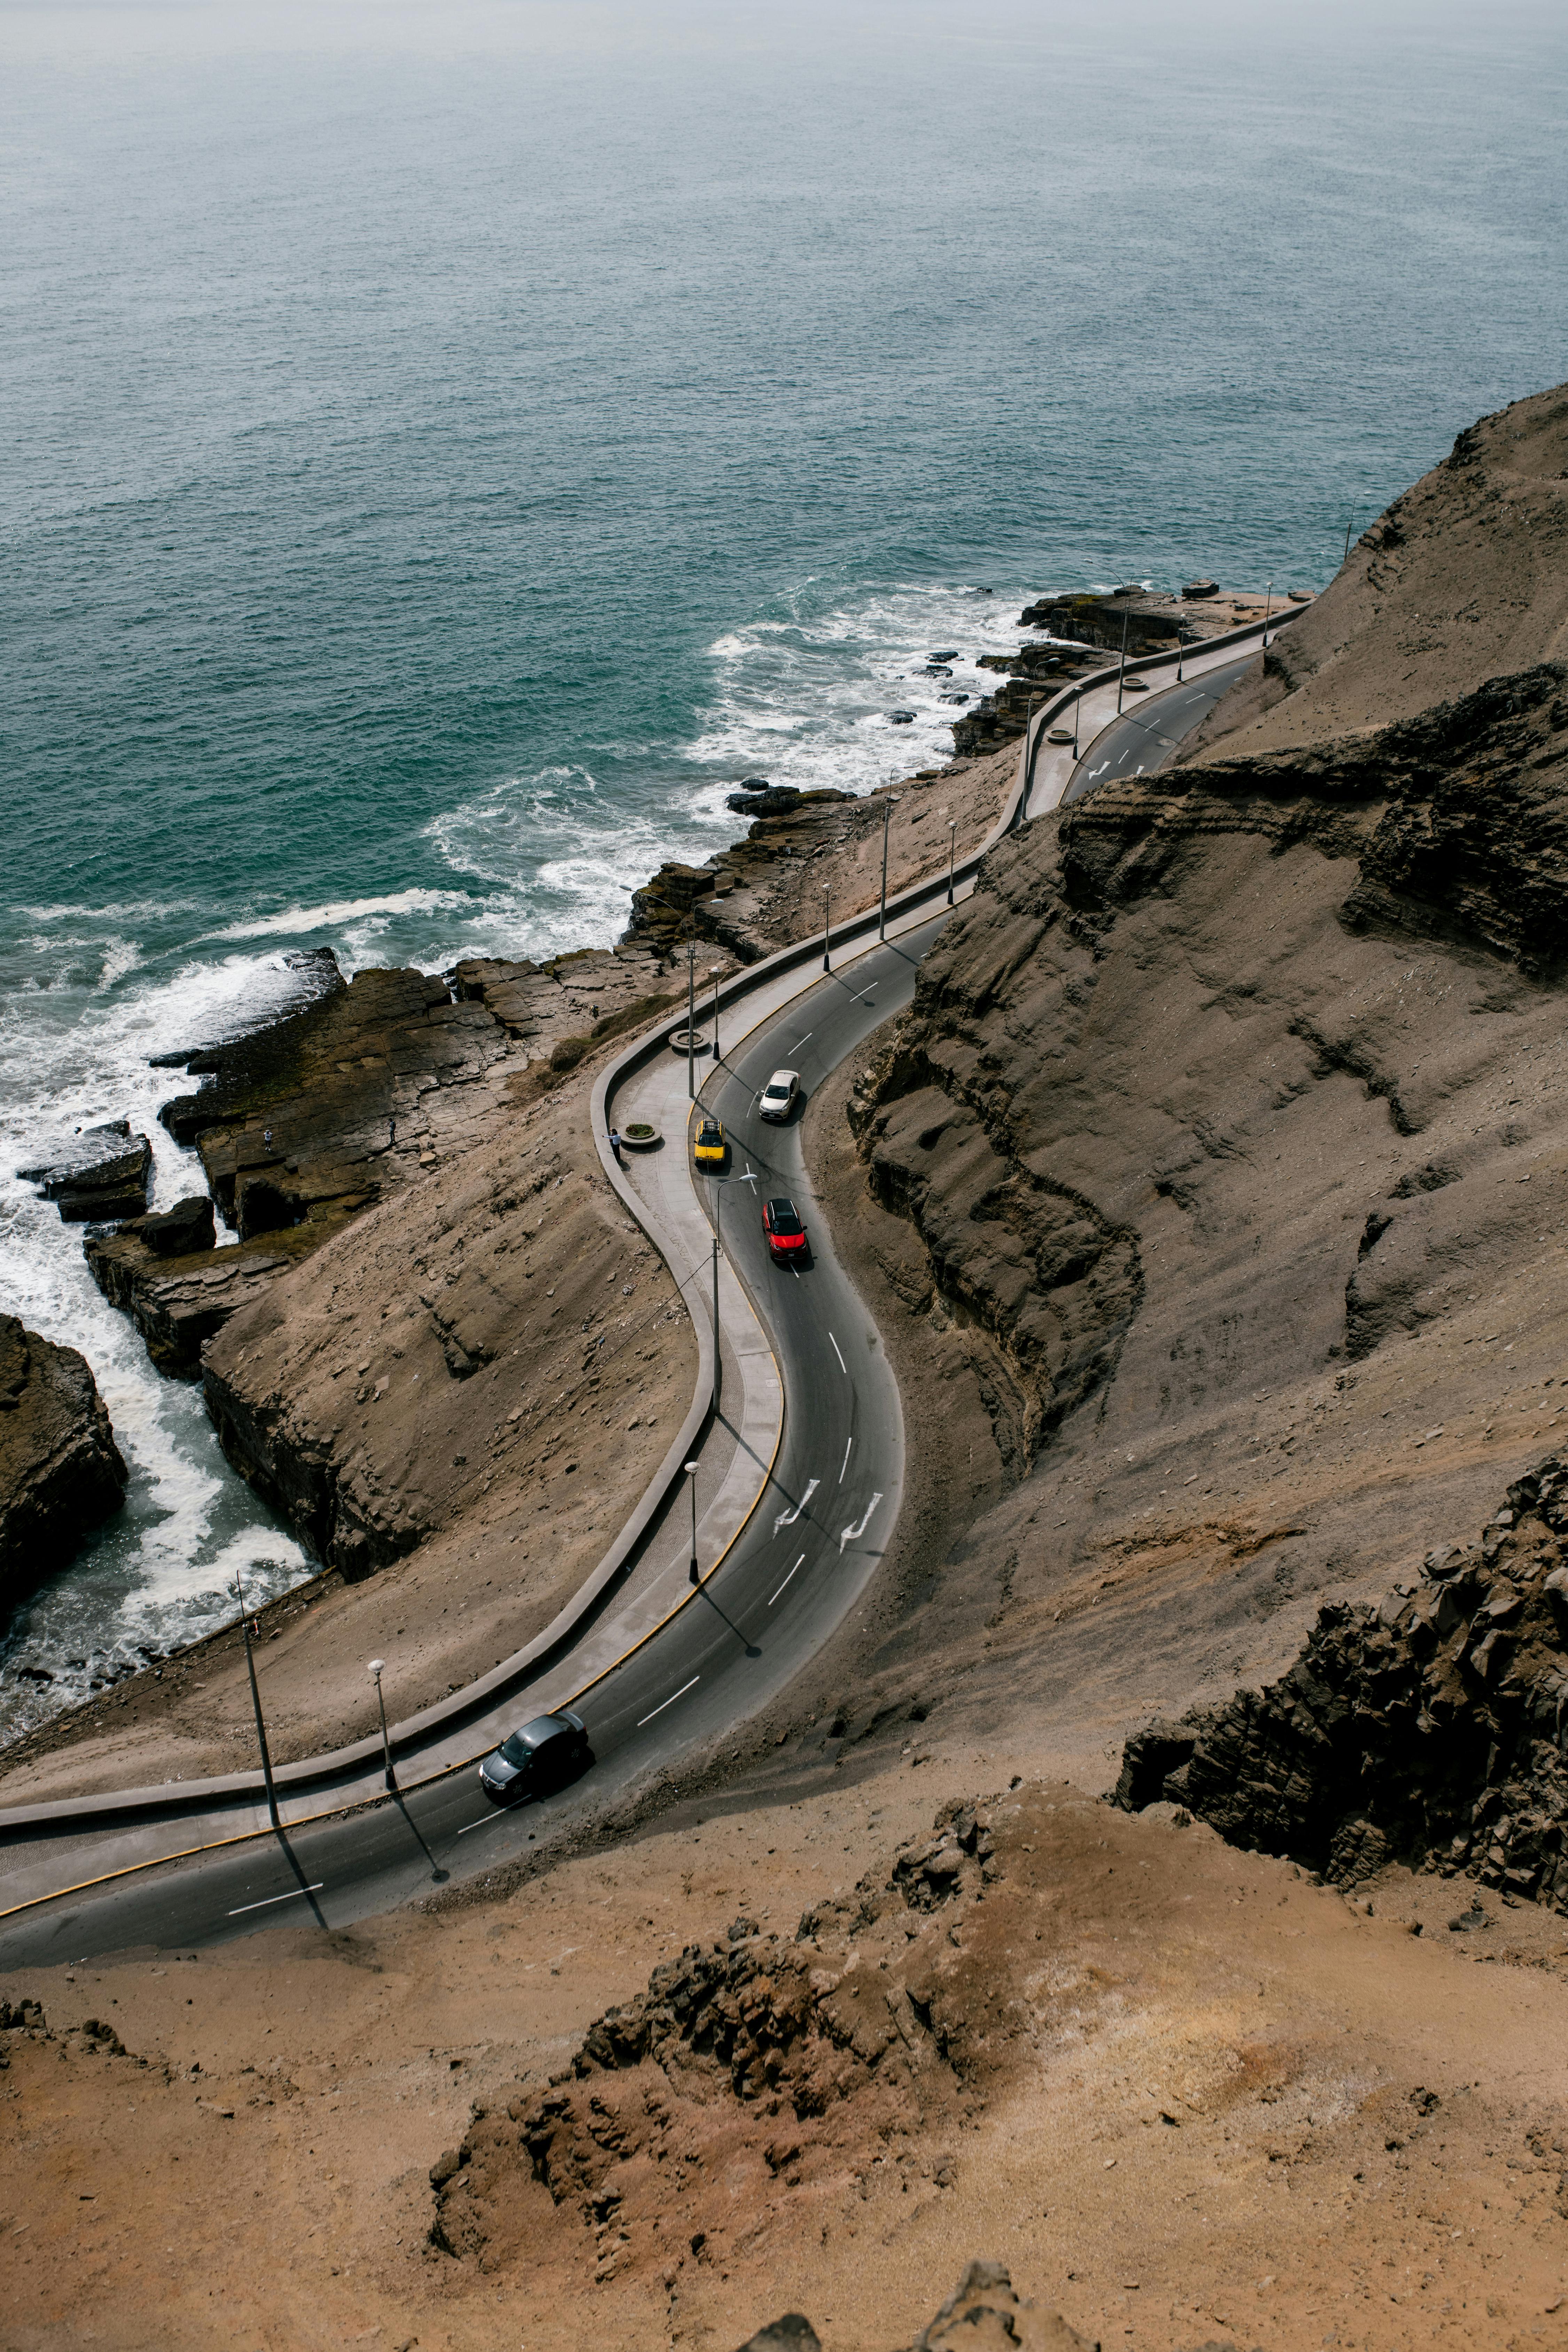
(543, 1756)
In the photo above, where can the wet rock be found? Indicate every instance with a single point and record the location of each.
(772, 800)
(60, 1470)
(102, 1178)
(178, 1232)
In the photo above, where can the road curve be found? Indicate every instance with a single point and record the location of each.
(1145, 735)
(798, 1568)
(344, 1865)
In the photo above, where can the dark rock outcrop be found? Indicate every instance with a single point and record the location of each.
(1459, 819)
(103, 1178)
(178, 1232)
(1431, 1730)
(179, 1300)
(984, 2310)
(60, 1470)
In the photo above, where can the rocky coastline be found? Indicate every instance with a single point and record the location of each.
(60, 1471)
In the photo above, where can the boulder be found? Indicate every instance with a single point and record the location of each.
(102, 1179)
(177, 1231)
(773, 800)
(985, 2308)
(792, 2333)
(60, 1470)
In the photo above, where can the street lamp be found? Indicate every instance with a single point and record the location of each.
(691, 1473)
(826, 963)
(692, 1016)
(889, 805)
(375, 1669)
(951, 848)
(713, 972)
(1267, 603)
(1121, 672)
(256, 1703)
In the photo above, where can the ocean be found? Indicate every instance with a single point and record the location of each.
(447, 447)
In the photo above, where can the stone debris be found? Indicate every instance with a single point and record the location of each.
(1431, 1730)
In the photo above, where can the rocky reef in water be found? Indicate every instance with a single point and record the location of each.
(60, 1471)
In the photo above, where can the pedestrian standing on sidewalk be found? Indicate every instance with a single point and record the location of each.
(615, 1146)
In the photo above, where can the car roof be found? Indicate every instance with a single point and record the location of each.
(782, 1208)
(542, 1727)
(711, 1127)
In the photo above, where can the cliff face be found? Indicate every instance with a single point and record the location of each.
(60, 1470)
(1229, 1120)
(1463, 579)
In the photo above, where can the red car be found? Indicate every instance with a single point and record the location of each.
(785, 1233)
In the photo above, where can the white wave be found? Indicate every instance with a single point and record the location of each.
(300, 922)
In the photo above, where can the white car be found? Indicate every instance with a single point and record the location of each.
(779, 1097)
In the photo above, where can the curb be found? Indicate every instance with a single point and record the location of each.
(128, 1806)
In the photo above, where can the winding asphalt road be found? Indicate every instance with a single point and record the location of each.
(797, 1569)
(1141, 739)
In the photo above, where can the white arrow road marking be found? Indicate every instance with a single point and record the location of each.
(788, 1519)
(839, 1353)
(670, 1700)
(853, 1535)
(847, 1443)
(786, 1579)
(292, 1896)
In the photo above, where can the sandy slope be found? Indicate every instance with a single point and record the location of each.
(1463, 578)
(1191, 2097)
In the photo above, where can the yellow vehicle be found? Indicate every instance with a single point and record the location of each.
(711, 1149)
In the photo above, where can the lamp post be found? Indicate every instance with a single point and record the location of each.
(713, 971)
(691, 1473)
(888, 805)
(1267, 607)
(827, 960)
(375, 1670)
(1121, 672)
(1350, 526)
(716, 1352)
(952, 850)
(256, 1703)
(692, 1016)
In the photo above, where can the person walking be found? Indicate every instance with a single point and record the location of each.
(615, 1146)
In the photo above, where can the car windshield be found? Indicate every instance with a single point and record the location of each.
(522, 1743)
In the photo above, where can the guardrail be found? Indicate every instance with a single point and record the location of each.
(127, 1808)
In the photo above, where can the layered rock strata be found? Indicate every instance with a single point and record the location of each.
(1430, 1730)
(60, 1470)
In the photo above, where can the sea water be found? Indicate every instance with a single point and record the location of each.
(446, 449)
